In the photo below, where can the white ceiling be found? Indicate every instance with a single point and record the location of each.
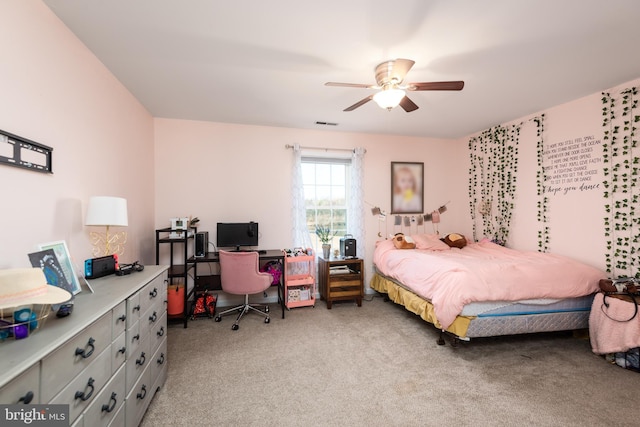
(266, 62)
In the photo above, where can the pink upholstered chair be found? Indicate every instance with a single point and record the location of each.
(240, 275)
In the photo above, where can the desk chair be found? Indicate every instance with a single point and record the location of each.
(240, 275)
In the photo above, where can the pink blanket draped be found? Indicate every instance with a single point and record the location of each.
(613, 328)
(484, 271)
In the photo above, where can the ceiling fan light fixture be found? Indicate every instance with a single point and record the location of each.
(389, 99)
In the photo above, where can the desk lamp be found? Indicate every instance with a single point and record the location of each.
(107, 211)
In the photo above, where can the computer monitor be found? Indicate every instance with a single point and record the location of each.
(237, 234)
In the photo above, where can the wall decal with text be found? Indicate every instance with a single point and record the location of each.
(573, 165)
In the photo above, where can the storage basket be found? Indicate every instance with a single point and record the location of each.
(21, 322)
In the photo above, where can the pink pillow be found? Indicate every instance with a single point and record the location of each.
(430, 241)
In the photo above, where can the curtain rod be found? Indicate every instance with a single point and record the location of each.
(351, 150)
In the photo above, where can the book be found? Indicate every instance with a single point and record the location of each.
(48, 262)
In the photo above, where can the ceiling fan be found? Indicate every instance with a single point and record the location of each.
(389, 78)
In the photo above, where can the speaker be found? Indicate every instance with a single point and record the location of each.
(202, 244)
(347, 246)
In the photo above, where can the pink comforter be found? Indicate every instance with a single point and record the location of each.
(483, 271)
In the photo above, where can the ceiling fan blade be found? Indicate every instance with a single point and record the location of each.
(453, 85)
(359, 103)
(408, 105)
(360, 85)
(393, 72)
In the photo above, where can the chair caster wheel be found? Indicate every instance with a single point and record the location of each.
(267, 320)
(218, 318)
(266, 309)
(235, 327)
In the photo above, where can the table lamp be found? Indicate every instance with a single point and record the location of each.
(107, 211)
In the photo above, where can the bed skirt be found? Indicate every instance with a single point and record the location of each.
(476, 327)
(416, 304)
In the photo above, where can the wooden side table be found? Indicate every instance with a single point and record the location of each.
(341, 279)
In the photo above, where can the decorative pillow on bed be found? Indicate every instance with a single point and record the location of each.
(430, 242)
(400, 241)
(455, 240)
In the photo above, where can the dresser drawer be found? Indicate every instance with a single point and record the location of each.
(138, 399)
(119, 319)
(106, 405)
(149, 319)
(158, 332)
(23, 389)
(159, 362)
(133, 309)
(79, 422)
(74, 356)
(133, 339)
(118, 351)
(137, 362)
(119, 418)
(83, 389)
(154, 292)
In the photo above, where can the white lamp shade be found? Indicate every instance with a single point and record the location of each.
(104, 210)
(389, 98)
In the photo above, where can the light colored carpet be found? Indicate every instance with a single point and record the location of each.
(378, 365)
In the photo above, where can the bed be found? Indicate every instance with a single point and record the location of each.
(485, 289)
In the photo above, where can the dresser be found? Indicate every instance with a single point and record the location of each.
(106, 360)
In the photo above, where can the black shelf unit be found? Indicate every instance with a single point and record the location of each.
(177, 271)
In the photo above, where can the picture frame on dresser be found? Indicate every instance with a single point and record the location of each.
(64, 258)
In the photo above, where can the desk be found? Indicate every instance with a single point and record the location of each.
(212, 281)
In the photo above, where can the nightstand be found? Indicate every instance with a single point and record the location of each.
(341, 279)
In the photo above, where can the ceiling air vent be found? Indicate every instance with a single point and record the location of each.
(326, 124)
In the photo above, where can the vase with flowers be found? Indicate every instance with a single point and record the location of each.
(325, 236)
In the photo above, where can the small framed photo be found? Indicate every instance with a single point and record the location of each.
(407, 190)
(64, 258)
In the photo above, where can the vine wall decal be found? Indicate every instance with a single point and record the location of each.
(493, 173)
(492, 180)
(621, 158)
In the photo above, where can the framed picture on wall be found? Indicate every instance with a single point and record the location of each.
(64, 258)
(407, 190)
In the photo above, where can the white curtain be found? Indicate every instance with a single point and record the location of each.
(300, 233)
(355, 215)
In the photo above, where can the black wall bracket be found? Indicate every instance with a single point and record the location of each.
(24, 153)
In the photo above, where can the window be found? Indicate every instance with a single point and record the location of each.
(326, 191)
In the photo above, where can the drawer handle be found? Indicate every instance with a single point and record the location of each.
(142, 359)
(113, 401)
(143, 393)
(161, 331)
(161, 359)
(136, 307)
(82, 395)
(122, 318)
(88, 350)
(122, 350)
(135, 337)
(27, 398)
(153, 317)
(154, 293)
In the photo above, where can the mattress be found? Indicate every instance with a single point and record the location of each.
(507, 319)
(526, 307)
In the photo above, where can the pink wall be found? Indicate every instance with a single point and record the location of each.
(228, 172)
(54, 91)
(575, 216)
